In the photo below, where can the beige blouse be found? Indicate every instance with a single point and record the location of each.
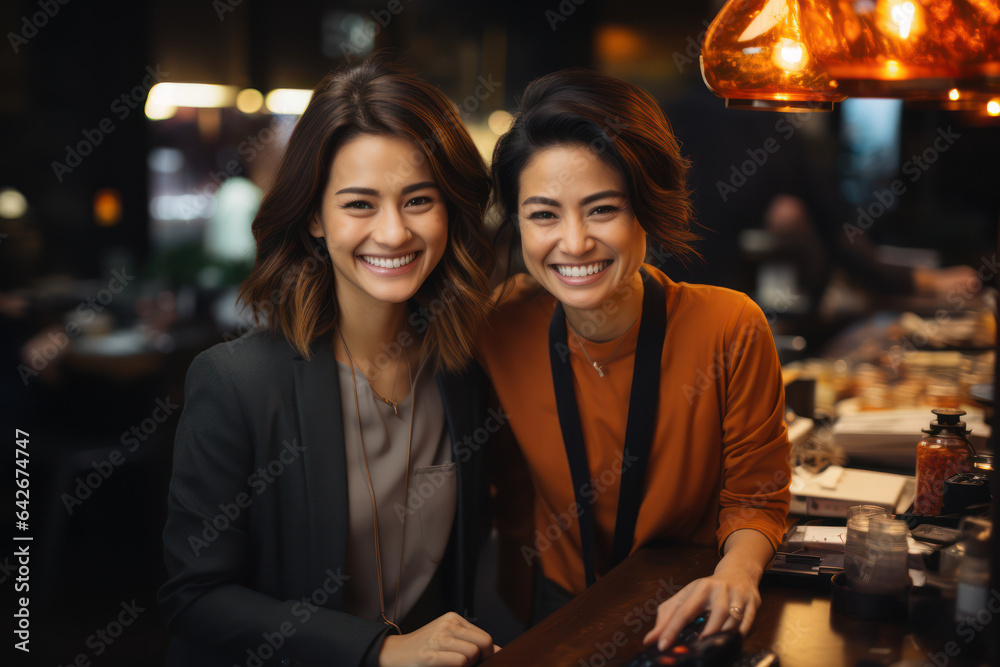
(428, 512)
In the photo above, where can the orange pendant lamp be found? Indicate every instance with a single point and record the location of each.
(910, 49)
(982, 61)
(755, 57)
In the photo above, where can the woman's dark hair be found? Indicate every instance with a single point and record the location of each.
(624, 126)
(291, 285)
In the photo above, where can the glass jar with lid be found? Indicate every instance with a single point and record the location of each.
(944, 451)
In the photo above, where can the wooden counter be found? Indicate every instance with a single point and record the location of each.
(604, 626)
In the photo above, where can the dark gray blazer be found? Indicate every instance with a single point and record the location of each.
(256, 534)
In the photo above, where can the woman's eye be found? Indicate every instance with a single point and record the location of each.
(604, 210)
(542, 215)
(359, 204)
(419, 201)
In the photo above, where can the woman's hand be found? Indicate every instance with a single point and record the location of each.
(450, 641)
(729, 596)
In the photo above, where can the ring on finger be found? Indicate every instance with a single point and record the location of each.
(736, 612)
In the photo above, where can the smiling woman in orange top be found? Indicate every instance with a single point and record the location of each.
(645, 409)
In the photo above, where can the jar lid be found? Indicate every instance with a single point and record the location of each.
(948, 417)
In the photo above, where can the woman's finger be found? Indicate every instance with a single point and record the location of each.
(719, 610)
(450, 644)
(688, 611)
(466, 631)
(664, 613)
(749, 616)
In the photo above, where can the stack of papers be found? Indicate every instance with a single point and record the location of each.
(890, 437)
(831, 492)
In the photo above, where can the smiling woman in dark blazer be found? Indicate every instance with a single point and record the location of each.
(325, 501)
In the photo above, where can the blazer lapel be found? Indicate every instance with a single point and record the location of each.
(321, 424)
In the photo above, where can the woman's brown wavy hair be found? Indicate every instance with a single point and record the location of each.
(624, 126)
(291, 287)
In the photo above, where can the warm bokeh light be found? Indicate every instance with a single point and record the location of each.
(617, 44)
(13, 205)
(993, 107)
(789, 55)
(499, 121)
(249, 100)
(902, 14)
(908, 49)
(202, 95)
(107, 207)
(291, 101)
(953, 94)
(157, 112)
(755, 57)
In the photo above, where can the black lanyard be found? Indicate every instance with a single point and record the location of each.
(643, 401)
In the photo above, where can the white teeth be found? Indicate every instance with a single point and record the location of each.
(580, 271)
(393, 263)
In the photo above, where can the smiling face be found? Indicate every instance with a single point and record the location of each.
(579, 236)
(385, 231)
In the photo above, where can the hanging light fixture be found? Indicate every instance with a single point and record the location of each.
(981, 70)
(755, 57)
(910, 49)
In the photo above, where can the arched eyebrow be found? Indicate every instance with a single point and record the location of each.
(540, 200)
(583, 202)
(601, 195)
(372, 192)
(418, 186)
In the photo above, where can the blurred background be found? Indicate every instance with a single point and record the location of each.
(137, 140)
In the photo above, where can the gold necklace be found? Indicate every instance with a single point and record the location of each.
(392, 390)
(371, 489)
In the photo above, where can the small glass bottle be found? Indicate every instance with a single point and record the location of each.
(943, 452)
(973, 579)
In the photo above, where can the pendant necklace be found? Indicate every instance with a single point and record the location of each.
(371, 489)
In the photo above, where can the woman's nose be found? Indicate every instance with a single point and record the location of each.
(390, 229)
(576, 238)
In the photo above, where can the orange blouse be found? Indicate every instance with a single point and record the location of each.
(718, 461)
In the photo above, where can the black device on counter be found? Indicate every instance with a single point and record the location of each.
(721, 649)
(965, 490)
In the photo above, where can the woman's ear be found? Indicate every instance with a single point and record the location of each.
(316, 227)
